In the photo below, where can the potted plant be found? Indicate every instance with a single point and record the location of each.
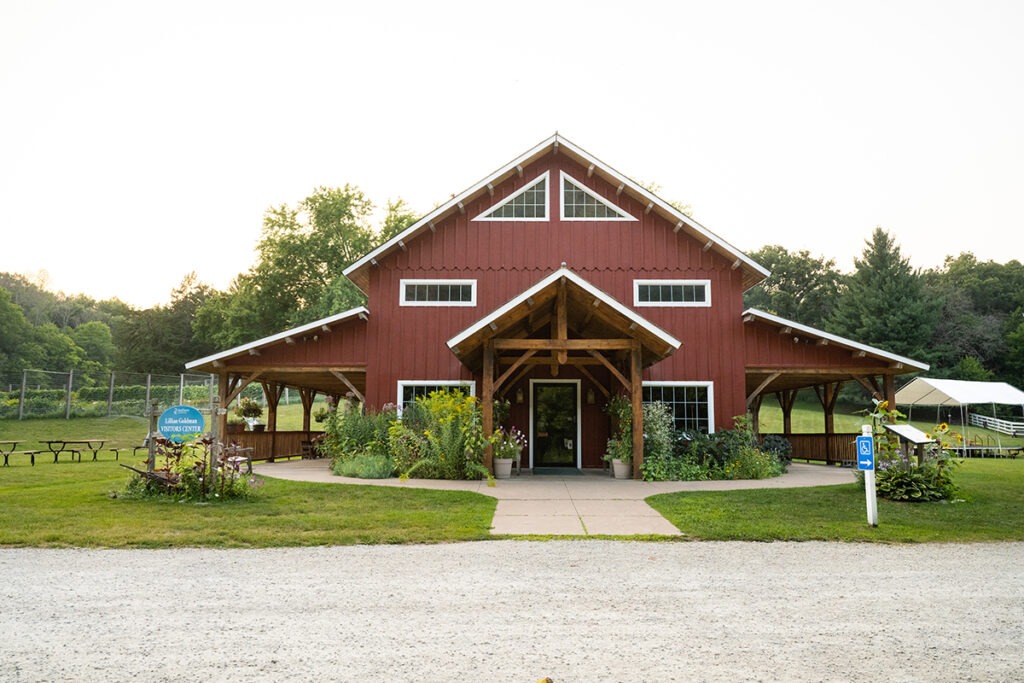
(235, 424)
(620, 454)
(507, 448)
(620, 446)
(249, 410)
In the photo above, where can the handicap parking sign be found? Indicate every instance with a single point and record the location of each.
(865, 453)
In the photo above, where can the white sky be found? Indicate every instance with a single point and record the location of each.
(142, 140)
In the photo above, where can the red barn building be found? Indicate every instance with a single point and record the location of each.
(556, 282)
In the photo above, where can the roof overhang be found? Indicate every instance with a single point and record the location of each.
(592, 316)
(753, 272)
(214, 362)
(866, 361)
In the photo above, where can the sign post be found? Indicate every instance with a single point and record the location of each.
(866, 463)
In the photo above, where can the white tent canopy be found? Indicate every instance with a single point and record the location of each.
(923, 391)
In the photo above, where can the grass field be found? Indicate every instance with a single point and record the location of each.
(71, 504)
(992, 510)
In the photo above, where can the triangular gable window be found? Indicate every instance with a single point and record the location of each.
(529, 203)
(581, 204)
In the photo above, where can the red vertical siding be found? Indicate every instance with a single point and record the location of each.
(507, 257)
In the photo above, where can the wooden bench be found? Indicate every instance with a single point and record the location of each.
(31, 454)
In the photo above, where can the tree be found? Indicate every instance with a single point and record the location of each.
(15, 335)
(161, 339)
(800, 288)
(303, 251)
(399, 217)
(885, 302)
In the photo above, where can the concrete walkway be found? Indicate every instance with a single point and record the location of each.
(587, 504)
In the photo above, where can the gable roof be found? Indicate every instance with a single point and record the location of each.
(659, 343)
(753, 272)
(814, 333)
(359, 312)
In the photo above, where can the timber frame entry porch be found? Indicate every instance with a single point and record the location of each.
(533, 330)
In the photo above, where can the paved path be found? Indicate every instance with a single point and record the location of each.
(573, 505)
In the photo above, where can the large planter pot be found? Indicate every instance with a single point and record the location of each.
(502, 468)
(622, 470)
(235, 428)
(259, 428)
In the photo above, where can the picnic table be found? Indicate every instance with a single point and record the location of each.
(9, 448)
(74, 447)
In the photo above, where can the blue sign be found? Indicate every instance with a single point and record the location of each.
(865, 452)
(181, 423)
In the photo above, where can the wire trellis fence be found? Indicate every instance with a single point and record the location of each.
(36, 393)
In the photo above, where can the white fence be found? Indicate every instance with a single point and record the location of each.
(997, 425)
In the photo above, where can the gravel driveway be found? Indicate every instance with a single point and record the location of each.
(517, 611)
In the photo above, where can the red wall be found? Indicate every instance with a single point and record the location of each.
(508, 257)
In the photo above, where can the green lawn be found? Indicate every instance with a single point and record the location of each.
(993, 510)
(70, 504)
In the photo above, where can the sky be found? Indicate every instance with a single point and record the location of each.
(141, 141)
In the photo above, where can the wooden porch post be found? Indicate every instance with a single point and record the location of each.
(487, 407)
(636, 393)
(307, 396)
(786, 400)
(222, 395)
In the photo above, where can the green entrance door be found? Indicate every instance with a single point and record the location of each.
(555, 424)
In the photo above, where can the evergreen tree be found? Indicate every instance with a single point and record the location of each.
(885, 302)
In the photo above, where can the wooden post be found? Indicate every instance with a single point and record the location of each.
(636, 392)
(153, 412)
(307, 396)
(487, 406)
(222, 401)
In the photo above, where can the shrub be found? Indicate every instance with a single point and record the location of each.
(780, 447)
(365, 466)
(444, 437)
(353, 432)
(916, 484)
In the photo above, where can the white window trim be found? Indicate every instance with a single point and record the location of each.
(676, 304)
(402, 383)
(545, 176)
(434, 281)
(710, 386)
(624, 215)
(579, 417)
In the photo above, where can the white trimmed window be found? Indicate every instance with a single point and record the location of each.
(529, 203)
(410, 390)
(437, 292)
(671, 292)
(692, 403)
(581, 204)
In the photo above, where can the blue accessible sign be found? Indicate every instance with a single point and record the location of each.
(181, 423)
(865, 453)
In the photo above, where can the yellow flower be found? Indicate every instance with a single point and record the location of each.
(884, 405)
(942, 427)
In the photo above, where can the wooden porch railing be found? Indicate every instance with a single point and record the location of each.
(828, 448)
(271, 445)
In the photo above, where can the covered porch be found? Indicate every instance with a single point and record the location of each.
(786, 357)
(323, 358)
(562, 331)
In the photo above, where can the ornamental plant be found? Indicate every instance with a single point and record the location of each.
(182, 472)
(898, 474)
(508, 444)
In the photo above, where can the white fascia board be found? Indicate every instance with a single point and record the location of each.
(583, 284)
(842, 341)
(330, 320)
(446, 207)
(673, 211)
